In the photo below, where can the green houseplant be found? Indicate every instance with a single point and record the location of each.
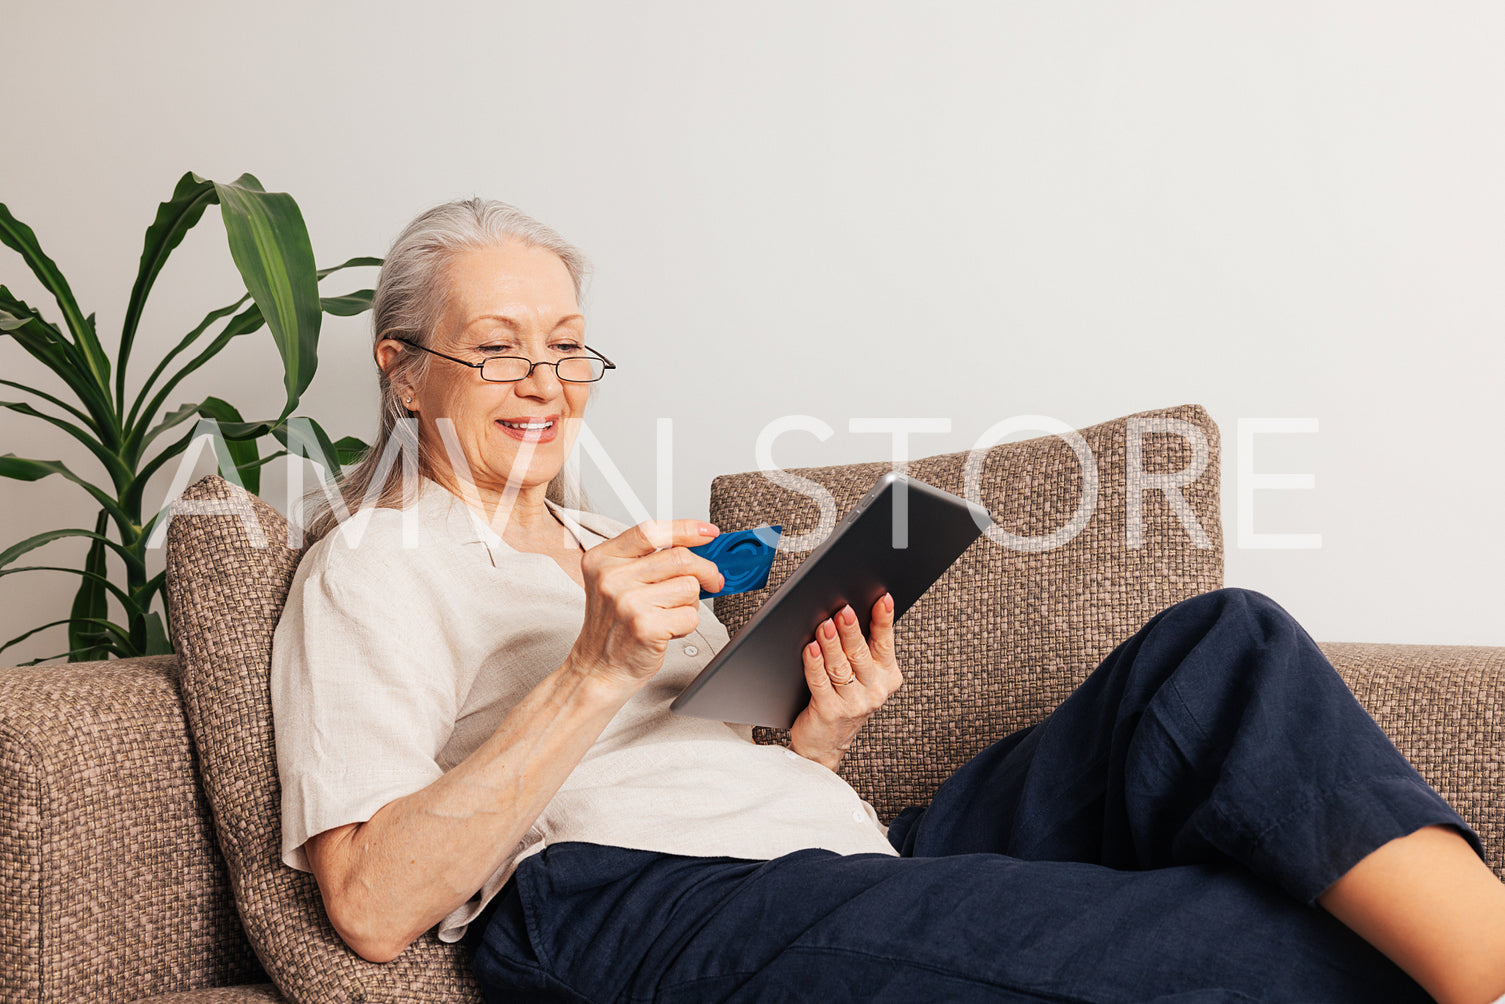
(127, 434)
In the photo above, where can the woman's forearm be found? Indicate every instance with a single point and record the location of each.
(389, 879)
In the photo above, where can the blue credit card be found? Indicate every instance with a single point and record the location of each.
(744, 558)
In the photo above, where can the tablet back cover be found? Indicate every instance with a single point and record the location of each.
(759, 678)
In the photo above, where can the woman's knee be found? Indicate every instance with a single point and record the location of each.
(1233, 604)
(1227, 638)
(1218, 646)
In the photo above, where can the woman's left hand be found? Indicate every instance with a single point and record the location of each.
(849, 678)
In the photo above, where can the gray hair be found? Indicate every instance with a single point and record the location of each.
(412, 293)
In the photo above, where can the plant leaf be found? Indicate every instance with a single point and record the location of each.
(46, 344)
(102, 578)
(173, 419)
(350, 304)
(244, 323)
(115, 650)
(146, 471)
(24, 469)
(175, 218)
(31, 543)
(118, 472)
(219, 410)
(306, 438)
(263, 461)
(114, 629)
(28, 634)
(89, 603)
(50, 399)
(145, 593)
(350, 450)
(244, 453)
(157, 641)
(227, 430)
(173, 353)
(18, 315)
(352, 263)
(270, 245)
(20, 238)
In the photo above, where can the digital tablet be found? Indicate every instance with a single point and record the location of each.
(759, 677)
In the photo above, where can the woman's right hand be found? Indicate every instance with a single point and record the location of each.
(387, 880)
(642, 590)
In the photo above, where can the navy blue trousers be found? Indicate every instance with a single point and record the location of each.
(1162, 835)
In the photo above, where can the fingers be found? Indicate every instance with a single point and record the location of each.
(633, 556)
(680, 619)
(677, 562)
(881, 631)
(656, 534)
(642, 588)
(834, 656)
(679, 591)
(842, 646)
(843, 655)
(816, 677)
(830, 679)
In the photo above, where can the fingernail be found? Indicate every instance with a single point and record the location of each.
(812, 650)
(847, 616)
(827, 629)
(888, 602)
(708, 530)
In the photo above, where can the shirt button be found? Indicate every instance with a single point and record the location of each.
(858, 816)
(691, 650)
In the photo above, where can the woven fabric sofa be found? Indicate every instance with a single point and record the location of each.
(138, 827)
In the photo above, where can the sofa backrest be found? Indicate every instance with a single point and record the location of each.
(1007, 632)
(229, 568)
(993, 646)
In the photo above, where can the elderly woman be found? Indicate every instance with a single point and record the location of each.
(471, 684)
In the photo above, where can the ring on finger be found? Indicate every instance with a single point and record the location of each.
(842, 683)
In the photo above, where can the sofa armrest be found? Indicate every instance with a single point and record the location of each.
(1444, 707)
(113, 886)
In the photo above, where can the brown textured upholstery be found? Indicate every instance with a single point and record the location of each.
(113, 888)
(255, 993)
(108, 865)
(225, 595)
(1005, 634)
(1444, 707)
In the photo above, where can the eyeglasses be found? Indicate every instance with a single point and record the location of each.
(511, 369)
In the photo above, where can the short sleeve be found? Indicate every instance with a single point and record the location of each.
(363, 693)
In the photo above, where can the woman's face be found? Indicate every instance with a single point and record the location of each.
(511, 300)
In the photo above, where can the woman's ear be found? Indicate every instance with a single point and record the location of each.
(386, 352)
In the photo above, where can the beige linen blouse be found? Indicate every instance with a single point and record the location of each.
(409, 634)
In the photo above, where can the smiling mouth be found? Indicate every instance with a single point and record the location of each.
(526, 426)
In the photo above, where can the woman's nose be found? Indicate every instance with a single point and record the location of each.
(541, 381)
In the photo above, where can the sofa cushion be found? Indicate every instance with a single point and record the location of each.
(251, 993)
(1007, 632)
(110, 873)
(229, 567)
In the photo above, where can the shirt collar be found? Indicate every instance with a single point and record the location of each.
(462, 524)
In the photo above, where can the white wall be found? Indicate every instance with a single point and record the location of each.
(967, 210)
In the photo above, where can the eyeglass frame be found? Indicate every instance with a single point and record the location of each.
(531, 364)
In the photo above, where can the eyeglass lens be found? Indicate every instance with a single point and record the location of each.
(509, 369)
